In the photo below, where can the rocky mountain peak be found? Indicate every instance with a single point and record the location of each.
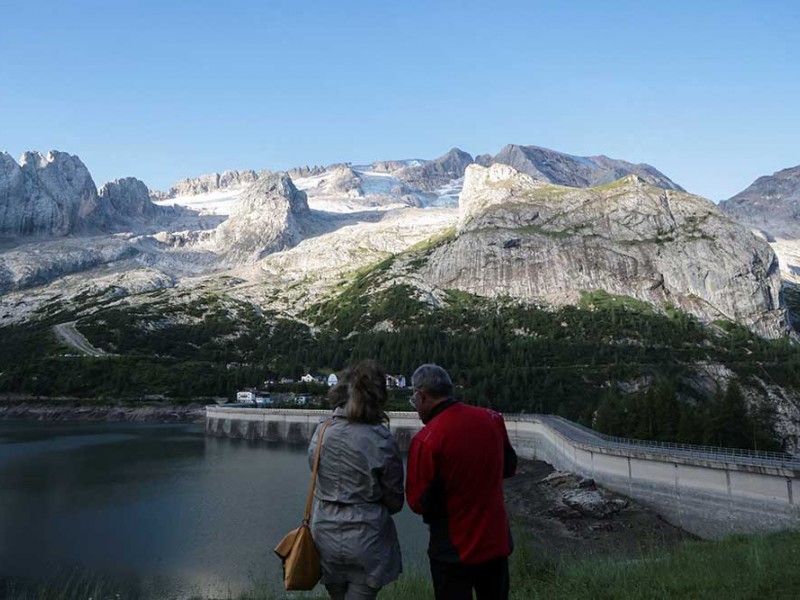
(204, 184)
(271, 191)
(549, 243)
(771, 204)
(576, 171)
(493, 185)
(341, 179)
(455, 156)
(127, 197)
(45, 195)
(267, 218)
(435, 173)
(32, 159)
(8, 169)
(306, 171)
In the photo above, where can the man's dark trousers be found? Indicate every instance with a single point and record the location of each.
(455, 581)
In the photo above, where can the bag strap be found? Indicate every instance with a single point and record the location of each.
(314, 470)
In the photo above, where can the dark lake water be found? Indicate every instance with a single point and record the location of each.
(160, 508)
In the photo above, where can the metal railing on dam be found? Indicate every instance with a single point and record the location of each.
(706, 490)
(580, 433)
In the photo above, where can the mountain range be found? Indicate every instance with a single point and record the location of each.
(525, 228)
(326, 247)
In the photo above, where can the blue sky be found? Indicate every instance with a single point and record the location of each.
(707, 92)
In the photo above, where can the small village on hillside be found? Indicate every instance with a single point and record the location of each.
(308, 391)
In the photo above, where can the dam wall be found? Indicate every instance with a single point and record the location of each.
(710, 496)
(290, 425)
(711, 492)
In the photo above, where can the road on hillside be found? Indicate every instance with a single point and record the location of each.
(67, 333)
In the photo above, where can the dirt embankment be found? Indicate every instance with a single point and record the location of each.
(65, 410)
(568, 516)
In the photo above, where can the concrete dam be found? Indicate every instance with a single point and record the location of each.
(711, 492)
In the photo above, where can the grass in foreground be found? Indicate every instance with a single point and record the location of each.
(759, 566)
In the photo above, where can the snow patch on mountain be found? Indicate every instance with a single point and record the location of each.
(219, 202)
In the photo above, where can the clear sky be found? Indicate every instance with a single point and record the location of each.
(706, 91)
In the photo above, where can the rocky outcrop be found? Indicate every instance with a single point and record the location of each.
(770, 204)
(26, 267)
(340, 180)
(484, 160)
(55, 196)
(582, 497)
(267, 218)
(390, 166)
(527, 239)
(435, 173)
(305, 171)
(127, 197)
(208, 183)
(125, 203)
(230, 179)
(46, 196)
(576, 171)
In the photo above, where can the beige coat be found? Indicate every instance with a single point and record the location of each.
(359, 485)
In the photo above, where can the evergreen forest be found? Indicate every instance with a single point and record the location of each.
(612, 363)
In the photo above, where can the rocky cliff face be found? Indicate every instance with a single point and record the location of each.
(306, 171)
(575, 171)
(770, 204)
(433, 174)
(45, 196)
(391, 166)
(267, 218)
(125, 203)
(26, 267)
(527, 239)
(55, 196)
(339, 180)
(208, 183)
(127, 197)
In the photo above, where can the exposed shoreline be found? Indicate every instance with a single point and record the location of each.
(559, 531)
(76, 410)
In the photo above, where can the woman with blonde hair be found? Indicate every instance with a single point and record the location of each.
(359, 486)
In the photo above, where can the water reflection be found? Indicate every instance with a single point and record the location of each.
(161, 507)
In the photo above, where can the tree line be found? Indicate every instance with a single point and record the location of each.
(573, 361)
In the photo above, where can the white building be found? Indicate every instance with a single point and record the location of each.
(395, 381)
(332, 380)
(247, 396)
(307, 378)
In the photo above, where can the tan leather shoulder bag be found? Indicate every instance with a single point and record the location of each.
(301, 567)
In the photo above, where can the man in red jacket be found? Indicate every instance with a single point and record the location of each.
(456, 467)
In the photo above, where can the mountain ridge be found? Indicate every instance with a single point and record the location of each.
(274, 224)
(520, 237)
(770, 204)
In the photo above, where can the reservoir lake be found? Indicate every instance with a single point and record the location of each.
(159, 509)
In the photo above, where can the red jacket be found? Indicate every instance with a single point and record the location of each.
(456, 466)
